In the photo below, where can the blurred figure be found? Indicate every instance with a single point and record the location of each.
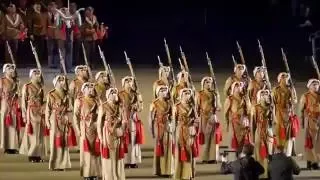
(76, 24)
(245, 167)
(281, 166)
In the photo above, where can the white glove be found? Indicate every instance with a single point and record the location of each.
(119, 132)
(245, 122)
(192, 131)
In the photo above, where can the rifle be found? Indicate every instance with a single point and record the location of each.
(183, 56)
(131, 69)
(315, 66)
(103, 59)
(10, 53)
(217, 102)
(159, 61)
(62, 62)
(241, 53)
(169, 60)
(264, 65)
(234, 60)
(36, 57)
(86, 60)
(112, 76)
(293, 90)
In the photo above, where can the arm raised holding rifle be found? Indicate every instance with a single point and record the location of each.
(164, 78)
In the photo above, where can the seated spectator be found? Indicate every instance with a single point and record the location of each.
(281, 166)
(245, 167)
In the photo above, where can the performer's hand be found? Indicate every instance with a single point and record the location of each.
(32, 37)
(48, 125)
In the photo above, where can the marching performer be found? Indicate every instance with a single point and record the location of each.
(182, 82)
(262, 115)
(186, 123)
(210, 129)
(102, 84)
(82, 76)
(62, 135)
(86, 109)
(239, 75)
(162, 130)
(131, 102)
(310, 112)
(10, 116)
(237, 109)
(111, 135)
(164, 73)
(256, 84)
(32, 102)
(284, 102)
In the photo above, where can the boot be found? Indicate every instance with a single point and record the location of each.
(309, 165)
(315, 166)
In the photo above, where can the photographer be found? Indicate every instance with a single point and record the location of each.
(245, 167)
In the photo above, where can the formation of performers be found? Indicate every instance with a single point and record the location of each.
(53, 26)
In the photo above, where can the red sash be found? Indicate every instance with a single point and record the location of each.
(218, 133)
(308, 143)
(183, 154)
(72, 140)
(105, 152)
(263, 150)
(295, 125)
(97, 146)
(139, 131)
(159, 149)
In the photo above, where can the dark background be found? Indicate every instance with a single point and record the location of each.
(140, 26)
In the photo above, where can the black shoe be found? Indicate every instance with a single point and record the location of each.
(127, 166)
(309, 165)
(315, 166)
(133, 166)
(212, 162)
(204, 162)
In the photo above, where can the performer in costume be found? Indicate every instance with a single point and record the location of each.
(86, 109)
(310, 112)
(186, 122)
(182, 82)
(258, 83)
(102, 84)
(62, 135)
(164, 74)
(239, 76)
(13, 28)
(10, 116)
(237, 109)
(162, 129)
(82, 76)
(210, 128)
(283, 101)
(131, 104)
(76, 24)
(111, 135)
(262, 116)
(32, 102)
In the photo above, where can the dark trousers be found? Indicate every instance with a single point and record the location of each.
(68, 54)
(39, 44)
(90, 47)
(76, 52)
(53, 46)
(14, 49)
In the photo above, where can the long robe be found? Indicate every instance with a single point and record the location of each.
(11, 122)
(33, 140)
(185, 143)
(86, 109)
(310, 104)
(61, 130)
(163, 158)
(238, 114)
(263, 139)
(281, 98)
(129, 105)
(206, 107)
(109, 123)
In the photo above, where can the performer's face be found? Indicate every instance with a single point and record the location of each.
(238, 88)
(265, 97)
(207, 84)
(73, 7)
(260, 74)
(89, 90)
(240, 70)
(129, 83)
(36, 75)
(284, 79)
(184, 77)
(103, 78)
(314, 87)
(12, 8)
(186, 96)
(37, 7)
(165, 72)
(163, 92)
(113, 96)
(11, 71)
(84, 72)
(61, 83)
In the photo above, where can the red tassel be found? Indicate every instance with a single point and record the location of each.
(121, 150)
(308, 143)
(282, 133)
(201, 138)
(139, 132)
(86, 145)
(127, 138)
(72, 140)
(22, 35)
(195, 150)
(8, 120)
(234, 143)
(263, 150)
(30, 129)
(105, 152)
(20, 122)
(183, 154)
(46, 131)
(97, 147)
(159, 149)
(247, 139)
(58, 141)
(218, 133)
(295, 125)
(76, 30)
